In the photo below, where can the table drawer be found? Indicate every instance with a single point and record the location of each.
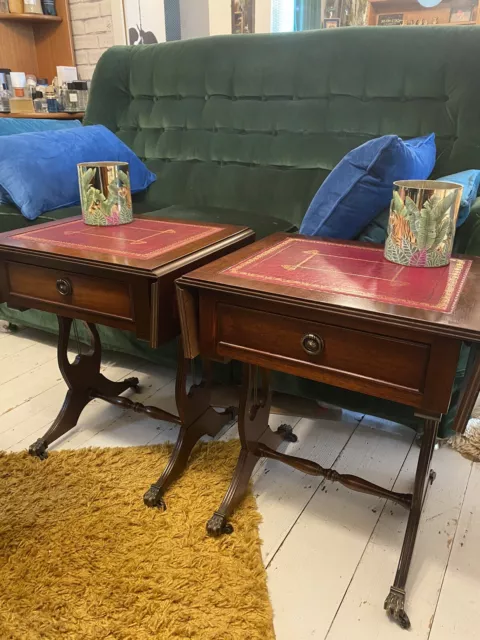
(66, 289)
(329, 353)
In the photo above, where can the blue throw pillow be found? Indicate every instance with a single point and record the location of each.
(12, 126)
(360, 186)
(38, 171)
(470, 181)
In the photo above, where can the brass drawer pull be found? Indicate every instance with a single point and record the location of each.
(64, 286)
(312, 344)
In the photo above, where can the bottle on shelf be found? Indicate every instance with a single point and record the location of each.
(39, 103)
(32, 6)
(48, 7)
(75, 96)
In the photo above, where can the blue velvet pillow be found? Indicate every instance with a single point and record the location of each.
(12, 126)
(360, 186)
(38, 171)
(470, 181)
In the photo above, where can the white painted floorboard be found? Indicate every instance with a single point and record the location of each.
(330, 554)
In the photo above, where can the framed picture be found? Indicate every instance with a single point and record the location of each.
(390, 20)
(243, 16)
(331, 23)
(461, 15)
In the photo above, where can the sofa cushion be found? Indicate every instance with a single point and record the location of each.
(262, 225)
(11, 218)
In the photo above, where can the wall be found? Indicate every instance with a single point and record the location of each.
(92, 33)
(95, 30)
(194, 18)
(221, 16)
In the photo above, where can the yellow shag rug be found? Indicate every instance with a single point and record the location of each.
(82, 558)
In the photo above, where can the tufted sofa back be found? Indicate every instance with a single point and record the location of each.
(256, 122)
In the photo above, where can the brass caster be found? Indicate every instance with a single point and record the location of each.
(395, 607)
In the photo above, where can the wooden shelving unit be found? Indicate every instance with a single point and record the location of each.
(45, 116)
(413, 12)
(29, 17)
(35, 43)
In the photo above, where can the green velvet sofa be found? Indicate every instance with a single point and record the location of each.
(244, 129)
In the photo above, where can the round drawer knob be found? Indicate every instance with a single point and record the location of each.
(312, 344)
(64, 286)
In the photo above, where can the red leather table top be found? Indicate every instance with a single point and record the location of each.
(142, 239)
(355, 270)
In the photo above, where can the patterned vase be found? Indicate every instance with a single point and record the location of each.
(421, 227)
(105, 193)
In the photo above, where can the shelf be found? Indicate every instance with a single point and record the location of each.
(29, 17)
(45, 116)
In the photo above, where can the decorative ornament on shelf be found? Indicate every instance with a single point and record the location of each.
(428, 4)
(421, 227)
(105, 193)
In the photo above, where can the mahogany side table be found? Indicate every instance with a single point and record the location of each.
(338, 313)
(121, 277)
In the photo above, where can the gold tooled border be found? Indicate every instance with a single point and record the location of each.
(447, 302)
(118, 252)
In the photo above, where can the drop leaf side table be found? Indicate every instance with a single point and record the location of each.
(337, 313)
(122, 277)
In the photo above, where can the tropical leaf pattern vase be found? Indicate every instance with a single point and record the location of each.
(421, 226)
(105, 193)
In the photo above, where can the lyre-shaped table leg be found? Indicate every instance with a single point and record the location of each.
(83, 379)
(198, 418)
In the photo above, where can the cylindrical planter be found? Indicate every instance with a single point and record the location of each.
(105, 193)
(421, 227)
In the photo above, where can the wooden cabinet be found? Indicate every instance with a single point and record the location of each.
(411, 12)
(36, 43)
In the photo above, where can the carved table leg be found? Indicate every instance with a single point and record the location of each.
(253, 430)
(83, 379)
(198, 418)
(470, 391)
(395, 601)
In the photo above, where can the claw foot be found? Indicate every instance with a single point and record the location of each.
(286, 431)
(395, 607)
(232, 412)
(217, 525)
(432, 476)
(39, 449)
(154, 498)
(133, 384)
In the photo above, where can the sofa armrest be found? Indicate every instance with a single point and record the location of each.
(467, 239)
